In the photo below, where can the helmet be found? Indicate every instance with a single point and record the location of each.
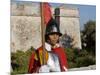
(52, 28)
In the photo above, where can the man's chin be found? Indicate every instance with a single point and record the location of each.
(53, 44)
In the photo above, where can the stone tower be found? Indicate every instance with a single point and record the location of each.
(70, 25)
(26, 25)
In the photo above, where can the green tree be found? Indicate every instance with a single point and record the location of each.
(88, 36)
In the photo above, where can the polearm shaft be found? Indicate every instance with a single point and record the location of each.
(43, 26)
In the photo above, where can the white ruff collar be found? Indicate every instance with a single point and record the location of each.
(48, 46)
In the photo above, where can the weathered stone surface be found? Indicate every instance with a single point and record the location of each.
(25, 9)
(25, 32)
(69, 12)
(70, 25)
(26, 25)
(91, 67)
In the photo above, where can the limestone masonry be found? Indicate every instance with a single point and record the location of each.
(26, 25)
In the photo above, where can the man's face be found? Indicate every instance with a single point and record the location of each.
(53, 38)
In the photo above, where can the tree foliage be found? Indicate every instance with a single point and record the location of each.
(88, 36)
(79, 58)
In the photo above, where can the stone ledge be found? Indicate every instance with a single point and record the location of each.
(91, 67)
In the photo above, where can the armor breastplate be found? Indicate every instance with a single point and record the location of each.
(52, 65)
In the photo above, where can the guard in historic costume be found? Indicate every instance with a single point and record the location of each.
(54, 55)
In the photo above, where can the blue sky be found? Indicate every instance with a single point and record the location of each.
(87, 12)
